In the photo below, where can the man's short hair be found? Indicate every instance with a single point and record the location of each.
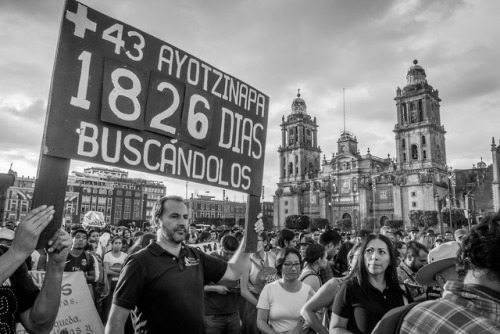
(159, 207)
(413, 248)
(229, 243)
(328, 237)
(79, 230)
(480, 248)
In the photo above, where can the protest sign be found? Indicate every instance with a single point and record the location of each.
(123, 98)
(207, 247)
(77, 313)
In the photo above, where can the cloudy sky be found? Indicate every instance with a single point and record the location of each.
(278, 47)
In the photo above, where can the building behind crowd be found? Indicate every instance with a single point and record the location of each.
(121, 199)
(106, 190)
(367, 189)
(206, 209)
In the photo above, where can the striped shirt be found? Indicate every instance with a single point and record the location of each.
(464, 308)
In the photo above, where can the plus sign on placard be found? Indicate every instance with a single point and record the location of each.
(82, 23)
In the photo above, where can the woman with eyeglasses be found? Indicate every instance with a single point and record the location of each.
(251, 283)
(364, 298)
(278, 309)
(325, 296)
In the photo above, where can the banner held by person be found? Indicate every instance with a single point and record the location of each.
(77, 313)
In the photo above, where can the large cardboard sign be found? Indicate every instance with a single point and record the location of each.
(77, 313)
(123, 98)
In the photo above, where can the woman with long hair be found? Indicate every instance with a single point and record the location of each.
(364, 298)
(250, 285)
(314, 261)
(112, 263)
(325, 296)
(278, 308)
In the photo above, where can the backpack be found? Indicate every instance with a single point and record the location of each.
(392, 320)
(101, 284)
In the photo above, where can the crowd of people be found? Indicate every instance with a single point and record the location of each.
(314, 281)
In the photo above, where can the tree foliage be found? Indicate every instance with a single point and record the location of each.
(320, 223)
(344, 224)
(423, 219)
(297, 222)
(395, 224)
(367, 223)
(457, 217)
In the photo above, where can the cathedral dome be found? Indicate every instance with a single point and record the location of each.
(299, 105)
(416, 74)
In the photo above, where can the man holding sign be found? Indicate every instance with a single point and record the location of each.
(164, 282)
(20, 298)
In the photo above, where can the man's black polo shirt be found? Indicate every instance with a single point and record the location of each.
(364, 309)
(166, 291)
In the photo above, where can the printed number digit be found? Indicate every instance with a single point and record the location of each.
(156, 121)
(197, 118)
(117, 41)
(131, 93)
(138, 46)
(80, 100)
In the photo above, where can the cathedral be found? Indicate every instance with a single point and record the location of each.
(364, 188)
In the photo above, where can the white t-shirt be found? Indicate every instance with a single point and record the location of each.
(115, 262)
(284, 307)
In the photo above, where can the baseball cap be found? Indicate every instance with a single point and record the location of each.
(307, 241)
(7, 234)
(439, 258)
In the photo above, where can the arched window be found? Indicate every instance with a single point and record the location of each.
(403, 143)
(423, 141)
(414, 152)
(405, 114)
(424, 154)
(290, 168)
(404, 157)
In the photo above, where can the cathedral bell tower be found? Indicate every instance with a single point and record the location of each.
(299, 152)
(420, 140)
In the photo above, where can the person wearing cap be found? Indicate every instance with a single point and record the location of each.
(471, 306)
(6, 236)
(440, 268)
(21, 301)
(78, 259)
(413, 233)
(303, 245)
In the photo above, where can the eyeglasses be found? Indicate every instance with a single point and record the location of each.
(289, 265)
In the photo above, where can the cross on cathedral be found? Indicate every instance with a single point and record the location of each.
(82, 23)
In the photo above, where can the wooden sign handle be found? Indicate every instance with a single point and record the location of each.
(253, 210)
(50, 189)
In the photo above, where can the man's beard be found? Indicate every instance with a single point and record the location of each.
(175, 237)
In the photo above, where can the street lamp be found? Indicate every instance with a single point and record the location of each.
(449, 171)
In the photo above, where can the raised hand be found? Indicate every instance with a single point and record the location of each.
(29, 229)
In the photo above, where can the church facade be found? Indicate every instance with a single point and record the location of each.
(363, 187)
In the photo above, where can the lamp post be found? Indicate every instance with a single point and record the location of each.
(449, 170)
